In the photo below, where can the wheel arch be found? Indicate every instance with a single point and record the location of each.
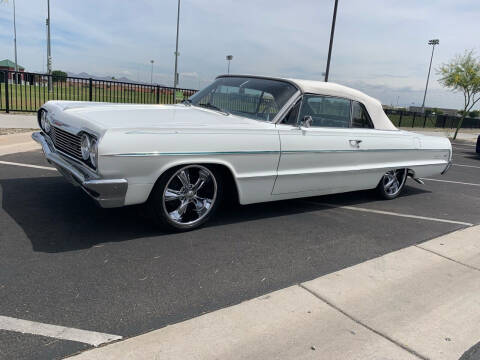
(224, 168)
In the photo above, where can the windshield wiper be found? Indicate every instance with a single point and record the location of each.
(187, 102)
(213, 107)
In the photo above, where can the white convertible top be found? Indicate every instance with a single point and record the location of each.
(374, 107)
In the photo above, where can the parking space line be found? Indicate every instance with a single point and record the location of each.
(28, 165)
(452, 182)
(381, 212)
(470, 166)
(464, 147)
(54, 331)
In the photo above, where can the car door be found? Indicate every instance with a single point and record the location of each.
(320, 151)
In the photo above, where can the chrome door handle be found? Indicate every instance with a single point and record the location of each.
(355, 142)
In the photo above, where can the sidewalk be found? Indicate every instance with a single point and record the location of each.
(464, 135)
(18, 121)
(16, 143)
(421, 302)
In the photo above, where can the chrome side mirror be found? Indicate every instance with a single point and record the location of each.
(306, 121)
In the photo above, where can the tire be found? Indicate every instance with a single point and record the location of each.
(186, 197)
(392, 183)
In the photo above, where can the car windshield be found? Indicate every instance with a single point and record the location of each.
(255, 98)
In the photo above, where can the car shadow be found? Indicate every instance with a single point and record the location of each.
(57, 217)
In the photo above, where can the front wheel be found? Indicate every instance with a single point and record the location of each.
(184, 198)
(392, 183)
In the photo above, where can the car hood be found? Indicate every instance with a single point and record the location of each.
(101, 117)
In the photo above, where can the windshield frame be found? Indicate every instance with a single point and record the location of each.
(280, 112)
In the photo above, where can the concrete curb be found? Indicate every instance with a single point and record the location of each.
(17, 143)
(420, 302)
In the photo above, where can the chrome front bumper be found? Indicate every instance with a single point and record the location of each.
(107, 193)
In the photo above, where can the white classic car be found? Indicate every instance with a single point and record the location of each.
(263, 139)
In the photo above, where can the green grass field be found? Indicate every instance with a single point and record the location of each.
(31, 98)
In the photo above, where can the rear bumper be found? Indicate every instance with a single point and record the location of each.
(107, 193)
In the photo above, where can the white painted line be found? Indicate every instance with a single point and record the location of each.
(355, 208)
(470, 166)
(28, 165)
(464, 145)
(54, 331)
(452, 182)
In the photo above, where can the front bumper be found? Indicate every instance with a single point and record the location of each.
(107, 193)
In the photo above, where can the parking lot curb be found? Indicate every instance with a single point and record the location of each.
(17, 143)
(420, 302)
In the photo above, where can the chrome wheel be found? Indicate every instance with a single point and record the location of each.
(393, 181)
(189, 195)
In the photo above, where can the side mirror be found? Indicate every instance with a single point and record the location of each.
(306, 121)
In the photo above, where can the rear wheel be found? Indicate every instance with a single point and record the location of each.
(185, 197)
(392, 183)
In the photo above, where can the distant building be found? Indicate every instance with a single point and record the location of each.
(449, 112)
(8, 65)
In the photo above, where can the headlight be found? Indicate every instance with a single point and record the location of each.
(85, 145)
(44, 123)
(93, 152)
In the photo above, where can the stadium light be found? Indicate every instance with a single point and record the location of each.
(432, 42)
(229, 58)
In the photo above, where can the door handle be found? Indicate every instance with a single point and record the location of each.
(355, 142)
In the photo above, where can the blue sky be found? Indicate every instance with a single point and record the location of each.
(380, 45)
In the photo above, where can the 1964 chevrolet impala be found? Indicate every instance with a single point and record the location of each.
(263, 138)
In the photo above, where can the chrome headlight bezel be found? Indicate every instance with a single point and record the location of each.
(85, 145)
(94, 152)
(44, 121)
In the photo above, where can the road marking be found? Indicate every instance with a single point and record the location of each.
(28, 165)
(453, 182)
(470, 166)
(55, 331)
(464, 147)
(381, 212)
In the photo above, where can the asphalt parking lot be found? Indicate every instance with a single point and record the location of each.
(66, 262)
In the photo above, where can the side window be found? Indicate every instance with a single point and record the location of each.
(292, 116)
(326, 111)
(360, 118)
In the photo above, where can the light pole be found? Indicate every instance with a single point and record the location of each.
(432, 42)
(49, 49)
(15, 41)
(229, 58)
(151, 73)
(332, 31)
(175, 75)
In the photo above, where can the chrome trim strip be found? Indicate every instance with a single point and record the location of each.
(255, 152)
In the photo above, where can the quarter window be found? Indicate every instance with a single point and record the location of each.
(326, 111)
(360, 118)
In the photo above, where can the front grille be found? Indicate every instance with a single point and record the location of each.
(66, 142)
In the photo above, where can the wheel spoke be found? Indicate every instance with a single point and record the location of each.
(201, 204)
(203, 177)
(171, 194)
(178, 213)
(184, 177)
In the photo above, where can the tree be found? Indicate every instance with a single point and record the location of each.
(462, 74)
(474, 113)
(59, 75)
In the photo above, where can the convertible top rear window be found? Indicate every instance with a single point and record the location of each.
(255, 98)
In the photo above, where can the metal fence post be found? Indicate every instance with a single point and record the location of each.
(158, 94)
(7, 100)
(413, 121)
(400, 120)
(90, 87)
(425, 120)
